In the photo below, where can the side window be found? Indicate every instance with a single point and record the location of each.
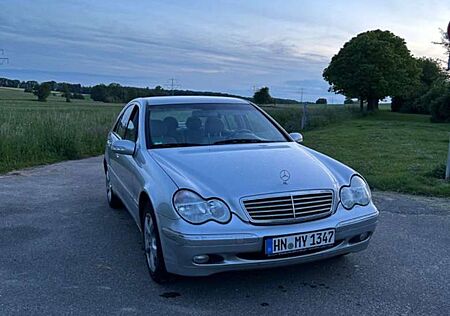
(132, 127)
(123, 122)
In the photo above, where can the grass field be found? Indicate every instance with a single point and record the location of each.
(34, 133)
(398, 152)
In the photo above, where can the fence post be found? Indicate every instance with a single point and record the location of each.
(447, 170)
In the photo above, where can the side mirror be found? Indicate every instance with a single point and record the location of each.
(296, 137)
(124, 147)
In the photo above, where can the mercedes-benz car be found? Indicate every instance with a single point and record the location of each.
(216, 184)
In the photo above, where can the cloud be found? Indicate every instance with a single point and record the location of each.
(227, 46)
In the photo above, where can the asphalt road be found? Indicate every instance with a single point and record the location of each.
(64, 251)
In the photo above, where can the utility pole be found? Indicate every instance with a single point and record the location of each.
(3, 59)
(305, 114)
(172, 85)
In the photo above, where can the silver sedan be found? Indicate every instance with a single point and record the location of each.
(215, 184)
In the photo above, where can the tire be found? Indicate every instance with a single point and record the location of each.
(152, 248)
(113, 199)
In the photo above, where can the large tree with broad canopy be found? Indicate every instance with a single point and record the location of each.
(372, 66)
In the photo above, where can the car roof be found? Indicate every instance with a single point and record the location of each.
(189, 99)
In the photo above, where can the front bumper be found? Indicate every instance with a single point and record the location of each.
(236, 245)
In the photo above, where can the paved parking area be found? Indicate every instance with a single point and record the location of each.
(64, 251)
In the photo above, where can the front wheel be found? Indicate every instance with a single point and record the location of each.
(152, 247)
(113, 199)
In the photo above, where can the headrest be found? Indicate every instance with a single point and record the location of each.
(214, 125)
(193, 123)
(171, 123)
(157, 128)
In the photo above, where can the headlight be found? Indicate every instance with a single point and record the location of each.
(357, 193)
(195, 209)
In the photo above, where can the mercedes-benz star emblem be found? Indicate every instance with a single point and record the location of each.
(285, 176)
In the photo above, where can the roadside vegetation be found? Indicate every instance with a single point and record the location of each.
(394, 151)
(34, 133)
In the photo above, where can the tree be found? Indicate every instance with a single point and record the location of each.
(321, 101)
(413, 100)
(262, 96)
(99, 93)
(42, 91)
(66, 92)
(372, 66)
(445, 43)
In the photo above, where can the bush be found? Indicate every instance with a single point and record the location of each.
(262, 96)
(77, 96)
(42, 91)
(440, 108)
(321, 101)
(397, 103)
(418, 98)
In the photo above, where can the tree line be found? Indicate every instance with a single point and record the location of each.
(31, 85)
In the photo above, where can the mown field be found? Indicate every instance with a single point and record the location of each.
(397, 152)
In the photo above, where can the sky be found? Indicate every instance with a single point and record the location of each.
(224, 46)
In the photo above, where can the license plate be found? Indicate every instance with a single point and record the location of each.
(297, 242)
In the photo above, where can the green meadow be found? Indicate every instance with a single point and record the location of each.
(394, 151)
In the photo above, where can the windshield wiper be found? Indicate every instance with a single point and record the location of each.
(242, 141)
(172, 145)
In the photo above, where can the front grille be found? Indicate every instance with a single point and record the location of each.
(292, 207)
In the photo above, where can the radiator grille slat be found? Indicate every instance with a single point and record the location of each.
(290, 207)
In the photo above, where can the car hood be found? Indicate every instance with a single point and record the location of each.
(231, 172)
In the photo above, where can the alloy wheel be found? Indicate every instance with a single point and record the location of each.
(151, 247)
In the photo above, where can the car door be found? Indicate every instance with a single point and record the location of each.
(130, 164)
(115, 160)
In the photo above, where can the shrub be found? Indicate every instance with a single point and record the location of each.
(77, 96)
(440, 108)
(321, 101)
(42, 91)
(397, 103)
(262, 96)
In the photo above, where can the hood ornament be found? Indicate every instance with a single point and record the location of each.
(285, 176)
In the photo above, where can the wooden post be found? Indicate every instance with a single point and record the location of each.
(447, 170)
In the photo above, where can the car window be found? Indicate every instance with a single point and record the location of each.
(123, 122)
(132, 126)
(176, 125)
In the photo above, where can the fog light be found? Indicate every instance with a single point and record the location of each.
(363, 236)
(201, 259)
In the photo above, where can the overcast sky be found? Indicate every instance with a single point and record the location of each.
(226, 46)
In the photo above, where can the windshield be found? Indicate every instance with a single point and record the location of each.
(182, 125)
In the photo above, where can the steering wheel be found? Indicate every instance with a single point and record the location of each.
(242, 131)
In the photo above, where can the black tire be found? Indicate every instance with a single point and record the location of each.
(152, 247)
(113, 200)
